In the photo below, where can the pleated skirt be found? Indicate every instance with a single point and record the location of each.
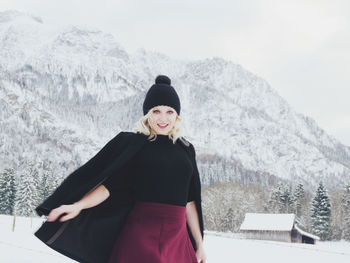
(154, 233)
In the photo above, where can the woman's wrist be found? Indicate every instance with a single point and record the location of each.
(79, 204)
(199, 244)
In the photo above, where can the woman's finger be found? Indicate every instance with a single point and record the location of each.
(55, 213)
(53, 216)
(65, 218)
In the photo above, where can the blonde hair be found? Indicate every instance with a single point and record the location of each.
(143, 126)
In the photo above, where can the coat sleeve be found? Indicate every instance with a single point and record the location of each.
(109, 184)
(85, 173)
(197, 196)
(191, 190)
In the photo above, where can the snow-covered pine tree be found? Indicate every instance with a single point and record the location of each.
(299, 196)
(7, 191)
(302, 208)
(345, 205)
(287, 201)
(227, 221)
(49, 181)
(37, 181)
(46, 186)
(274, 204)
(27, 197)
(321, 213)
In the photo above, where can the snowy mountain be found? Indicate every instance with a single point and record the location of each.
(65, 92)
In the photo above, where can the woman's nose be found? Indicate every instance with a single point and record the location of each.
(163, 117)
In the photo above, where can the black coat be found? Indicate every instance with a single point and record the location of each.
(90, 236)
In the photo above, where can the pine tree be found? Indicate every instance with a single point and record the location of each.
(27, 192)
(345, 205)
(48, 183)
(299, 198)
(7, 191)
(321, 213)
(227, 221)
(274, 204)
(46, 186)
(281, 200)
(287, 201)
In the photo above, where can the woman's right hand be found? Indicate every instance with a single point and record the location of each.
(71, 210)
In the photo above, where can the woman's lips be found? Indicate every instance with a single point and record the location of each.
(162, 127)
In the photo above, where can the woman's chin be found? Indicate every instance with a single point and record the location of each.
(163, 132)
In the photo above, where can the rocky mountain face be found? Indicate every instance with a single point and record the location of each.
(66, 92)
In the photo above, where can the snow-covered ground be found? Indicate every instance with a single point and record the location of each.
(21, 246)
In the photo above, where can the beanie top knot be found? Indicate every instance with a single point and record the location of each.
(162, 79)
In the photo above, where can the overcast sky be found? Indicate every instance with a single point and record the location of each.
(302, 48)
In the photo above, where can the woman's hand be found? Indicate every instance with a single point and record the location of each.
(91, 199)
(71, 210)
(201, 255)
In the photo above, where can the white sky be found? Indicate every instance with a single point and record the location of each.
(301, 47)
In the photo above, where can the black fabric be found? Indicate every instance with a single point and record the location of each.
(191, 191)
(95, 229)
(160, 172)
(161, 93)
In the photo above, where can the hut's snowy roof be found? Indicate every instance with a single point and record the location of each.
(260, 221)
(306, 233)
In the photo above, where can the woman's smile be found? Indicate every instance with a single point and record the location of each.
(162, 126)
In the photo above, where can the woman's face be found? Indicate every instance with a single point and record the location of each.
(162, 119)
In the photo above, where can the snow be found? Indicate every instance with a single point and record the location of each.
(260, 221)
(21, 246)
(231, 248)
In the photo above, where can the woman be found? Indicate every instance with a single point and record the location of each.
(161, 177)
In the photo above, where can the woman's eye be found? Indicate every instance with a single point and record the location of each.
(157, 111)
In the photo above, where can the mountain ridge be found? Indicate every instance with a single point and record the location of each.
(79, 88)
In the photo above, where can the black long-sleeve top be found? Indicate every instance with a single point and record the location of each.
(160, 172)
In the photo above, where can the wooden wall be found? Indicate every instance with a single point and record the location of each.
(268, 235)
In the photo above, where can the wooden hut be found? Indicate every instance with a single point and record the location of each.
(277, 227)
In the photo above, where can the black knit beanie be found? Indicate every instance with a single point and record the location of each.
(161, 93)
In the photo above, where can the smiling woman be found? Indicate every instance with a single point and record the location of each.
(164, 187)
(163, 118)
(139, 197)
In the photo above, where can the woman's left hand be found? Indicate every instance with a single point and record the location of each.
(201, 255)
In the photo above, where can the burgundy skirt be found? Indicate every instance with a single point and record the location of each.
(154, 233)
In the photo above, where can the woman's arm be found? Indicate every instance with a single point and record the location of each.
(193, 222)
(93, 198)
